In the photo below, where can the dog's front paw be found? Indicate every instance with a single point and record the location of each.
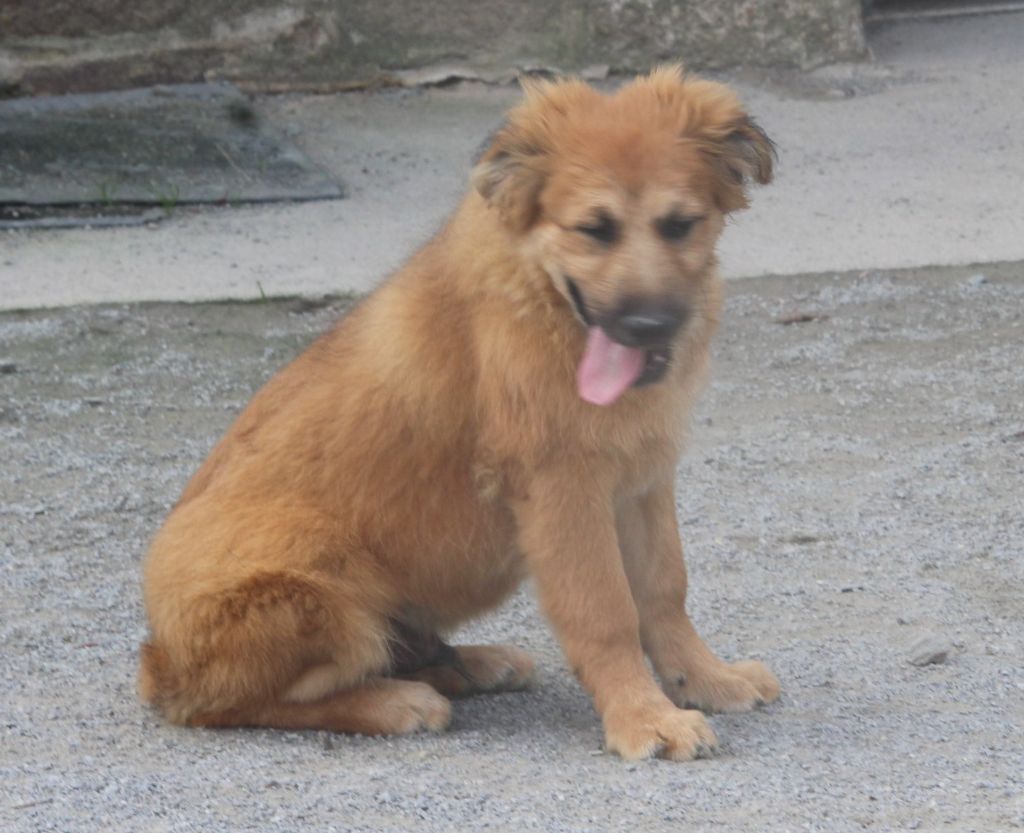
(724, 687)
(659, 731)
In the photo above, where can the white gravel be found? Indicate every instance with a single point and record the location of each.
(854, 481)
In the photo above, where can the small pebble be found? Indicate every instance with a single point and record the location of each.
(930, 649)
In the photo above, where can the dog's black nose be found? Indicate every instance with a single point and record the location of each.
(647, 325)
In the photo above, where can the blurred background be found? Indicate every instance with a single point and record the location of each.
(283, 147)
(87, 45)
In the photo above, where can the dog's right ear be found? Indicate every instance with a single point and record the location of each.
(744, 153)
(509, 178)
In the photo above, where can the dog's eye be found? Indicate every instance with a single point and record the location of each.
(604, 229)
(674, 227)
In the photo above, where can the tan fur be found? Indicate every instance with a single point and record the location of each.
(416, 463)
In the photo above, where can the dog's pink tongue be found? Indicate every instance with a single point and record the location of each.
(607, 368)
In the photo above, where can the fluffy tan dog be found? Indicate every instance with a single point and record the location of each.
(511, 403)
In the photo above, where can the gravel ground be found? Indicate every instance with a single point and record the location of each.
(854, 486)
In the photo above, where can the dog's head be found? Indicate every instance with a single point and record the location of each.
(620, 199)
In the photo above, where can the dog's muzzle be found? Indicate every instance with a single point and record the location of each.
(637, 322)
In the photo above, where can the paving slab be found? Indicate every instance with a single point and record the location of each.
(165, 146)
(853, 487)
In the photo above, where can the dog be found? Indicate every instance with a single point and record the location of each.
(511, 403)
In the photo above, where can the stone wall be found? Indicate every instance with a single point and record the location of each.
(76, 45)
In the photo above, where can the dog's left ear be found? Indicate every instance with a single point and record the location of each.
(508, 176)
(741, 153)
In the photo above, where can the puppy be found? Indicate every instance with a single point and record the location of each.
(510, 403)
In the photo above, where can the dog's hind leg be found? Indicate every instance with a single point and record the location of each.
(477, 669)
(282, 660)
(418, 653)
(380, 706)
(287, 650)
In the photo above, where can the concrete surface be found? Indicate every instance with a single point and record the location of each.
(913, 160)
(853, 486)
(76, 45)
